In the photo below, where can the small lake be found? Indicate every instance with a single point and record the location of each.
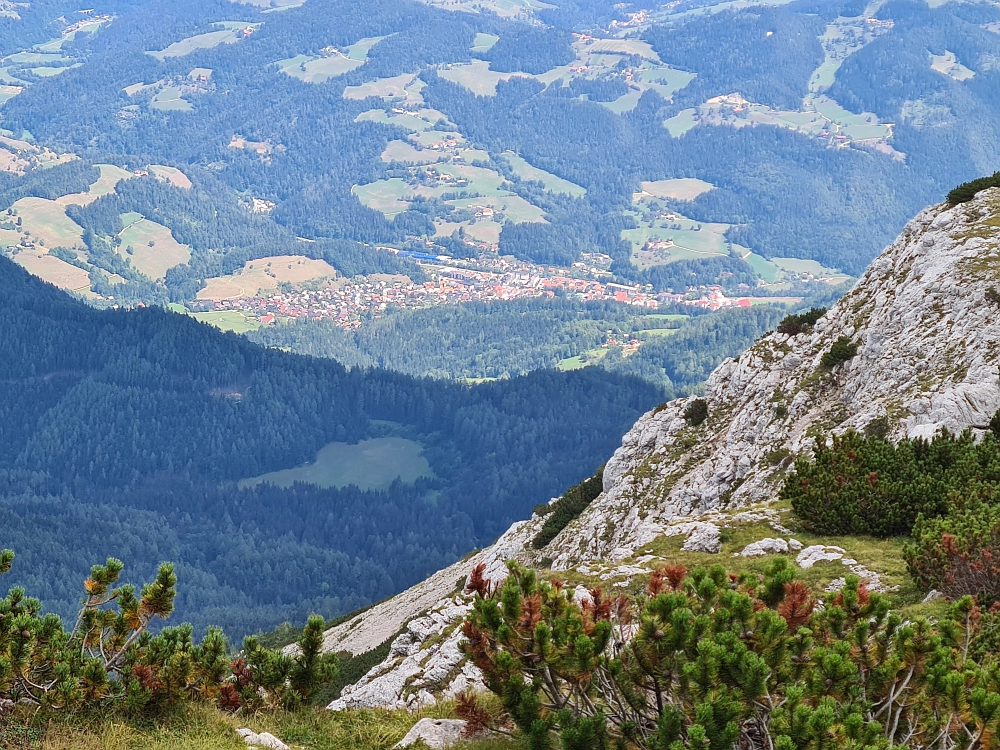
(370, 464)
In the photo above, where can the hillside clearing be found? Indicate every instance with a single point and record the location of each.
(228, 320)
(228, 35)
(551, 182)
(266, 274)
(387, 88)
(172, 175)
(105, 184)
(53, 270)
(682, 189)
(150, 246)
(47, 221)
(370, 465)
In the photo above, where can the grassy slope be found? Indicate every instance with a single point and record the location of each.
(204, 728)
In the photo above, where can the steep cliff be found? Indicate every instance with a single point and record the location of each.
(924, 319)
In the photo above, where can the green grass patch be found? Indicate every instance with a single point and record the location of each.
(226, 35)
(168, 99)
(371, 465)
(201, 727)
(551, 182)
(318, 69)
(763, 267)
(228, 320)
(47, 221)
(484, 42)
(150, 246)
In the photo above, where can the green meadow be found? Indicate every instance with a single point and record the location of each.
(371, 465)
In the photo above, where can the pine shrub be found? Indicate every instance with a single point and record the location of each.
(722, 661)
(968, 190)
(802, 322)
(111, 659)
(840, 351)
(866, 485)
(959, 553)
(696, 412)
(569, 506)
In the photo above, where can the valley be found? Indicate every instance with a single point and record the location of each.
(347, 311)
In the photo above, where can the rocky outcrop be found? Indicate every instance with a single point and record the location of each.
(435, 733)
(927, 331)
(424, 661)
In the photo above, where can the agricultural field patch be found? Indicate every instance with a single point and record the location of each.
(595, 58)
(53, 270)
(106, 183)
(511, 207)
(386, 196)
(150, 247)
(171, 174)
(811, 267)
(664, 236)
(8, 92)
(310, 69)
(589, 357)
(228, 320)
(416, 121)
(28, 58)
(267, 274)
(841, 39)
(481, 229)
(405, 86)
(86, 26)
(624, 103)
(47, 71)
(476, 76)
(484, 42)
(332, 62)
(370, 465)
(13, 162)
(168, 99)
(820, 117)
(230, 33)
(472, 155)
(624, 46)
(9, 237)
(764, 268)
(47, 221)
(682, 122)
(503, 8)
(403, 151)
(551, 182)
(948, 65)
(682, 189)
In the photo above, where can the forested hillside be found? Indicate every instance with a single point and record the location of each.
(680, 346)
(848, 124)
(125, 433)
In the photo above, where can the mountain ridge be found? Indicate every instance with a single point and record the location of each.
(923, 321)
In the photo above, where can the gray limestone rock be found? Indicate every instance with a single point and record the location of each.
(436, 733)
(765, 547)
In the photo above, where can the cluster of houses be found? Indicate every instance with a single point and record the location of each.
(453, 281)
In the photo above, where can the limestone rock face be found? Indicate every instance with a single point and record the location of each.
(424, 660)
(436, 733)
(928, 345)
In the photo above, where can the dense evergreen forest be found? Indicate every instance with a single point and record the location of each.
(504, 339)
(125, 433)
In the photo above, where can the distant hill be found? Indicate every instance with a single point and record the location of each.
(815, 128)
(126, 433)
